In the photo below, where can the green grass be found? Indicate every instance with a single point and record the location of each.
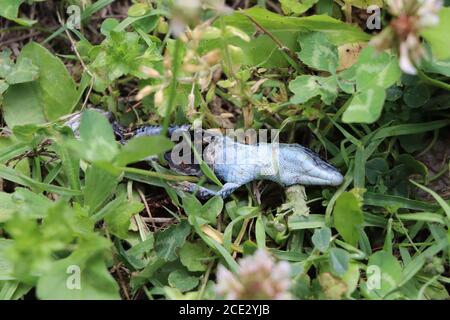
(92, 203)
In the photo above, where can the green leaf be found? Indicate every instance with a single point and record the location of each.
(309, 222)
(10, 148)
(351, 277)
(365, 106)
(137, 255)
(412, 165)
(36, 242)
(260, 233)
(21, 105)
(211, 209)
(121, 53)
(296, 6)
(384, 274)
(325, 7)
(95, 126)
(140, 148)
(182, 280)
(430, 64)
(444, 205)
(13, 290)
(243, 213)
(6, 64)
(10, 10)
(7, 207)
(321, 238)
(33, 205)
(348, 216)
(21, 179)
(3, 87)
(437, 35)
(194, 256)
(216, 246)
(70, 162)
(233, 31)
(416, 96)
(95, 282)
(23, 71)
(100, 185)
(97, 141)
(337, 31)
(419, 260)
(107, 26)
(138, 9)
(394, 93)
(384, 200)
(51, 96)
(118, 219)
(306, 87)
(375, 69)
(169, 241)
(263, 51)
(422, 216)
(237, 57)
(207, 213)
(318, 52)
(339, 261)
(6, 267)
(375, 169)
(192, 206)
(409, 128)
(153, 265)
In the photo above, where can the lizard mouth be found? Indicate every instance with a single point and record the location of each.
(317, 171)
(331, 179)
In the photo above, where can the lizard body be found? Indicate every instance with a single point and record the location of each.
(237, 164)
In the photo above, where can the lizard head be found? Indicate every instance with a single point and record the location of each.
(302, 166)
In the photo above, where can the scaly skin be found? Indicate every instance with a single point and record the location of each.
(237, 164)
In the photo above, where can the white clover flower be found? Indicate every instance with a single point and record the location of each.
(258, 277)
(228, 285)
(188, 6)
(411, 16)
(395, 6)
(428, 12)
(411, 52)
(405, 62)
